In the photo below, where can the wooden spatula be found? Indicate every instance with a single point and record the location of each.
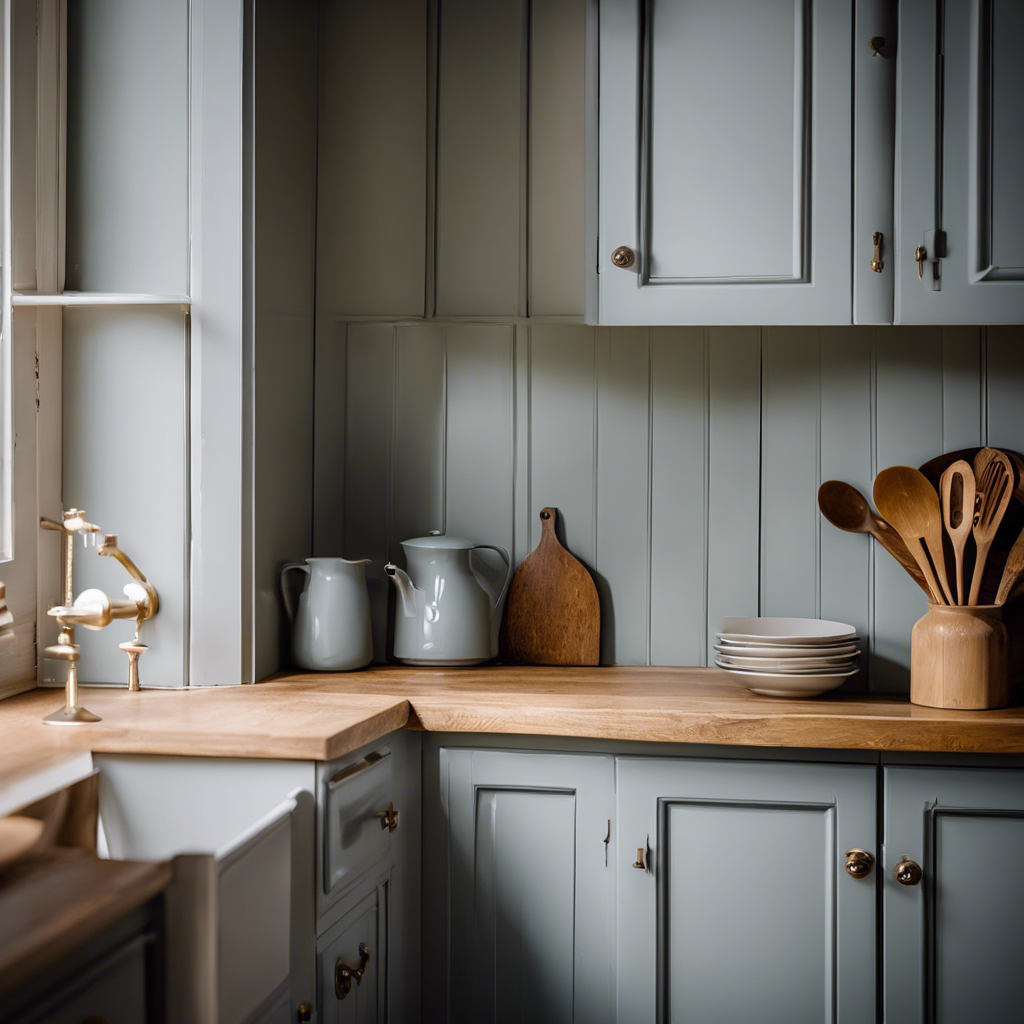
(552, 614)
(846, 508)
(1013, 571)
(904, 496)
(994, 475)
(957, 494)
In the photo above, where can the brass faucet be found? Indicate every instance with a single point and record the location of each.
(92, 609)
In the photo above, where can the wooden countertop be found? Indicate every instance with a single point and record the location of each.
(304, 716)
(55, 901)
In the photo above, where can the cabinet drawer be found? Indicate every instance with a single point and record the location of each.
(355, 832)
(358, 942)
(113, 989)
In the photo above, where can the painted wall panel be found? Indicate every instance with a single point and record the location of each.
(623, 456)
(1005, 387)
(127, 146)
(679, 408)
(557, 157)
(734, 485)
(330, 402)
(961, 388)
(481, 158)
(371, 196)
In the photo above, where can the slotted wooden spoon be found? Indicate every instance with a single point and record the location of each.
(994, 475)
(846, 508)
(904, 496)
(957, 492)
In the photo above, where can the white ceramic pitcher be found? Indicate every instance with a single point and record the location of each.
(331, 629)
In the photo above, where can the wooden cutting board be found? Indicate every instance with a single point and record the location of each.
(552, 613)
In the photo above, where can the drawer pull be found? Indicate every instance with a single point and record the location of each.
(343, 974)
(389, 818)
(859, 862)
(908, 872)
(362, 765)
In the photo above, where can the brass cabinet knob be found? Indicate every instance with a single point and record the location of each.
(876, 44)
(389, 818)
(877, 264)
(305, 1012)
(908, 872)
(859, 862)
(343, 974)
(623, 257)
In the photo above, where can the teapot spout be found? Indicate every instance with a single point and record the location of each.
(406, 591)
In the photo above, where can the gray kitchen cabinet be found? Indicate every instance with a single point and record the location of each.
(725, 163)
(741, 909)
(351, 964)
(952, 935)
(960, 162)
(521, 888)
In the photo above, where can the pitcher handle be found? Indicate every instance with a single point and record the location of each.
(289, 610)
(508, 568)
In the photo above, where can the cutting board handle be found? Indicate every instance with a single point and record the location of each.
(548, 517)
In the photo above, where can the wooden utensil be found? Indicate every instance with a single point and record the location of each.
(552, 614)
(1013, 571)
(910, 503)
(957, 493)
(846, 508)
(995, 482)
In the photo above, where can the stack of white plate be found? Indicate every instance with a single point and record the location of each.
(788, 657)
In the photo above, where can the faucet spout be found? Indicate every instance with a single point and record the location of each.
(152, 600)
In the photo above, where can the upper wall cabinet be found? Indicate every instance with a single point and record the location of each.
(725, 162)
(960, 173)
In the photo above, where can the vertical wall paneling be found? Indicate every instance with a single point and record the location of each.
(330, 403)
(369, 415)
(678, 571)
(847, 430)
(418, 486)
(480, 460)
(734, 487)
(962, 398)
(372, 159)
(524, 511)
(124, 463)
(623, 558)
(909, 421)
(563, 434)
(557, 157)
(127, 146)
(790, 390)
(1005, 386)
(480, 158)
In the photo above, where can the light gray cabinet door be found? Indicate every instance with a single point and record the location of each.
(530, 889)
(744, 912)
(725, 162)
(351, 959)
(952, 942)
(960, 162)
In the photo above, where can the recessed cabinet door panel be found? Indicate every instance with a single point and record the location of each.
(725, 161)
(530, 888)
(960, 162)
(355, 942)
(744, 911)
(952, 942)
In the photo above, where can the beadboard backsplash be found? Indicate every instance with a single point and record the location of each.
(457, 388)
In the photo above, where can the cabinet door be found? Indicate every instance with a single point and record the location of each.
(952, 942)
(357, 941)
(529, 889)
(744, 912)
(725, 161)
(961, 162)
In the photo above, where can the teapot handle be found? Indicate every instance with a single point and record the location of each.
(289, 609)
(508, 568)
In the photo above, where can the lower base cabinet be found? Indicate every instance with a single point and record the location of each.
(733, 899)
(953, 928)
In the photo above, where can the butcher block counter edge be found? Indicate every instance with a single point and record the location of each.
(322, 716)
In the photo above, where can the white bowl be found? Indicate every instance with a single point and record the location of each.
(770, 684)
(753, 650)
(786, 664)
(787, 631)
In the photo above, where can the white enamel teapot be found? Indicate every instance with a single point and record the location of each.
(447, 614)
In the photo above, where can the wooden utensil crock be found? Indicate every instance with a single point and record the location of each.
(958, 658)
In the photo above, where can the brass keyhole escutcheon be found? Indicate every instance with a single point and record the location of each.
(623, 257)
(877, 263)
(908, 872)
(343, 974)
(859, 862)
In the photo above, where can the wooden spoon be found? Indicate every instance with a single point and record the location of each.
(994, 475)
(957, 493)
(904, 496)
(845, 507)
(1013, 571)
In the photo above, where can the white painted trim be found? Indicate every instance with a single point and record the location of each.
(99, 299)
